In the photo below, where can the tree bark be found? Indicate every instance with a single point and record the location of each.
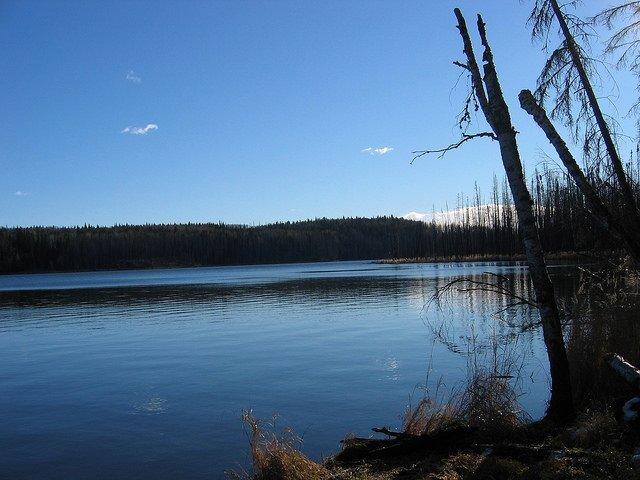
(616, 162)
(497, 114)
(596, 206)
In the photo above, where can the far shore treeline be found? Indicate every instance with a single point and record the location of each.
(482, 229)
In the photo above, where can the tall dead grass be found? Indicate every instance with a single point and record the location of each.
(277, 456)
(487, 401)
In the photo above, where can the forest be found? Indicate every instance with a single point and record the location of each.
(480, 227)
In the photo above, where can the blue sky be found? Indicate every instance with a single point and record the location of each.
(249, 112)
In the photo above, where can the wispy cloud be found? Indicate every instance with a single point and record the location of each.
(133, 77)
(140, 130)
(377, 150)
(20, 193)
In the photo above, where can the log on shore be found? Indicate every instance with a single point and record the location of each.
(624, 369)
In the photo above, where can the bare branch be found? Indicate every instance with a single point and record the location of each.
(442, 151)
(470, 285)
(462, 65)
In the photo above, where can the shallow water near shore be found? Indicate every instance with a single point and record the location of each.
(144, 374)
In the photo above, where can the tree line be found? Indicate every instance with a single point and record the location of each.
(482, 226)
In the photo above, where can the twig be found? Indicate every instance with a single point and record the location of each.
(462, 65)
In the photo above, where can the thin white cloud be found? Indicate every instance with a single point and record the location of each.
(377, 150)
(133, 77)
(20, 193)
(140, 130)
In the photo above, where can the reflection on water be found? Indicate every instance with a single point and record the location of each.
(144, 374)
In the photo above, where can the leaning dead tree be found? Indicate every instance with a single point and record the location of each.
(597, 207)
(567, 71)
(487, 92)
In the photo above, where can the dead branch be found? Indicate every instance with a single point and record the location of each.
(462, 65)
(483, 286)
(442, 151)
(472, 64)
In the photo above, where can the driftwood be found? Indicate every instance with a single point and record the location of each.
(624, 369)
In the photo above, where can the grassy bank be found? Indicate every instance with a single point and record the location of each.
(596, 447)
(444, 446)
(479, 437)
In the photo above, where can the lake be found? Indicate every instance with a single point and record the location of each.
(144, 374)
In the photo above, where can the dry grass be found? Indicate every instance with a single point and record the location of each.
(428, 417)
(276, 457)
(458, 466)
(593, 430)
(494, 468)
(582, 452)
(488, 402)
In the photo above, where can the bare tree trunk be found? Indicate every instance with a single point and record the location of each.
(496, 112)
(616, 162)
(597, 207)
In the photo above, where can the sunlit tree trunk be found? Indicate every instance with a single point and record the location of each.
(491, 99)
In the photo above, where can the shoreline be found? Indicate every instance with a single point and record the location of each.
(569, 256)
(554, 256)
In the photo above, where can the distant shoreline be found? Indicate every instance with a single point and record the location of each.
(554, 256)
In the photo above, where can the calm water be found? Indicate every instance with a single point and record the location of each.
(144, 374)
